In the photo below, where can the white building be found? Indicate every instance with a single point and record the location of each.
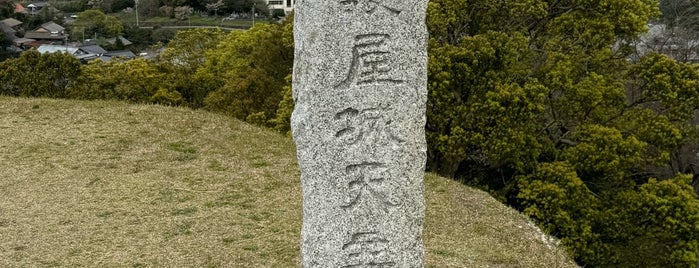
(286, 5)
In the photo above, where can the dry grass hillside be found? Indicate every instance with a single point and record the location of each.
(109, 184)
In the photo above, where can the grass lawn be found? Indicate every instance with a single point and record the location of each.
(109, 184)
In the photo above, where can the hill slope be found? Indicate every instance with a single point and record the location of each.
(93, 184)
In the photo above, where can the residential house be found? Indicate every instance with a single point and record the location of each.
(94, 49)
(12, 23)
(48, 33)
(78, 52)
(12, 28)
(8, 27)
(23, 43)
(36, 7)
(88, 52)
(286, 5)
(8, 31)
(123, 40)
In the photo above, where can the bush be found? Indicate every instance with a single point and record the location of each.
(38, 75)
(246, 72)
(653, 225)
(74, 6)
(163, 35)
(167, 97)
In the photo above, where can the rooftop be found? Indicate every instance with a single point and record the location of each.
(11, 22)
(44, 35)
(56, 48)
(94, 49)
(52, 27)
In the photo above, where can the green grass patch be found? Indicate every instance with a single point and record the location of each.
(215, 165)
(184, 211)
(182, 147)
(258, 162)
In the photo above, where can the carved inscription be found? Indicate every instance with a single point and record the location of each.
(370, 183)
(372, 125)
(368, 6)
(367, 249)
(371, 62)
(359, 91)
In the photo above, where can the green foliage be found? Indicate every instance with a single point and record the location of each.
(481, 104)
(603, 154)
(167, 97)
(167, 11)
(119, 5)
(538, 100)
(282, 121)
(682, 13)
(664, 214)
(559, 201)
(72, 6)
(184, 55)
(5, 41)
(249, 92)
(245, 73)
(95, 22)
(38, 75)
(6, 9)
(163, 35)
(654, 225)
(245, 6)
(137, 80)
(141, 37)
(148, 8)
(670, 85)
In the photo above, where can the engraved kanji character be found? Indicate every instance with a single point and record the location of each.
(367, 249)
(368, 6)
(371, 62)
(371, 125)
(370, 183)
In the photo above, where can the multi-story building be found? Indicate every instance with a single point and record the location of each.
(286, 5)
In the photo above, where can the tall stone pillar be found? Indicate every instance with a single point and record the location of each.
(360, 88)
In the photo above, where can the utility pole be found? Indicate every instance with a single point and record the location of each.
(253, 14)
(136, 1)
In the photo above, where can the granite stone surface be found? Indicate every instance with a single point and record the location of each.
(360, 88)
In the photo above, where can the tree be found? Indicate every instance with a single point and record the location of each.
(141, 37)
(214, 7)
(119, 5)
(184, 55)
(183, 12)
(7, 8)
(5, 42)
(539, 101)
(245, 6)
(253, 65)
(94, 22)
(683, 13)
(148, 8)
(138, 80)
(39, 75)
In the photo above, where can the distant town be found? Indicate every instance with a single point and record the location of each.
(107, 31)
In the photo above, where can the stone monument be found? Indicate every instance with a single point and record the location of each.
(360, 88)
